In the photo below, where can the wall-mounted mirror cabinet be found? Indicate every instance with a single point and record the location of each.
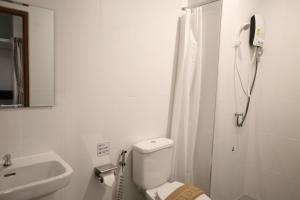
(26, 56)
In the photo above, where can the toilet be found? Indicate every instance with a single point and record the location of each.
(152, 165)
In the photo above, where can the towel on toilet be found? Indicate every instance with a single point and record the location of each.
(185, 192)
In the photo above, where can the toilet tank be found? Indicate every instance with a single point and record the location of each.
(152, 162)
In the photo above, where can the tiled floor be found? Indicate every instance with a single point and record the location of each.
(246, 198)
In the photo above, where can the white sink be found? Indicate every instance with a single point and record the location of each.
(33, 177)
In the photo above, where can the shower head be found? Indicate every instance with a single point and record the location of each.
(244, 27)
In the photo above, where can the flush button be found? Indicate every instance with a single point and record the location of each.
(153, 141)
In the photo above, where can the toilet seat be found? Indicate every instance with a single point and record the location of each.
(163, 191)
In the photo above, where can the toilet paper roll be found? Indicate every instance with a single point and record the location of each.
(109, 179)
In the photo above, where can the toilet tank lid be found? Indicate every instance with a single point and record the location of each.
(152, 145)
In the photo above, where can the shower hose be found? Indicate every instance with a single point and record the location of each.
(241, 117)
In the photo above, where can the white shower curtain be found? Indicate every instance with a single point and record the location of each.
(185, 112)
(18, 71)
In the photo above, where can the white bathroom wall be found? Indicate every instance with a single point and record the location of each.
(265, 164)
(230, 143)
(113, 71)
(184, 3)
(273, 161)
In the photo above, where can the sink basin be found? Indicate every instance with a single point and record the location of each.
(34, 176)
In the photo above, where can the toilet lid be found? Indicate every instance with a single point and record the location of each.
(163, 191)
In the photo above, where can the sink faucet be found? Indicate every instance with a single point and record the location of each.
(7, 160)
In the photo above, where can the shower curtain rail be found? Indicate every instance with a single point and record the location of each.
(199, 4)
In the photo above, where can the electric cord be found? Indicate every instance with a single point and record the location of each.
(239, 122)
(238, 72)
(254, 57)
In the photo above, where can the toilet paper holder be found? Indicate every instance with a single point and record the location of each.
(104, 170)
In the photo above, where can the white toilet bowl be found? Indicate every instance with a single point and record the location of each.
(152, 166)
(163, 191)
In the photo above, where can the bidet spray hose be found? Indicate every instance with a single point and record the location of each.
(120, 176)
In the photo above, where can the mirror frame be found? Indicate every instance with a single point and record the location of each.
(25, 24)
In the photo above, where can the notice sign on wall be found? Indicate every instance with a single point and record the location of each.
(103, 149)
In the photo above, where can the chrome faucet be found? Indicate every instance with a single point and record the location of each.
(7, 160)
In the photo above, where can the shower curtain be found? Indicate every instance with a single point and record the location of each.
(185, 112)
(18, 71)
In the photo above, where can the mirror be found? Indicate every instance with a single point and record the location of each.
(26, 56)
